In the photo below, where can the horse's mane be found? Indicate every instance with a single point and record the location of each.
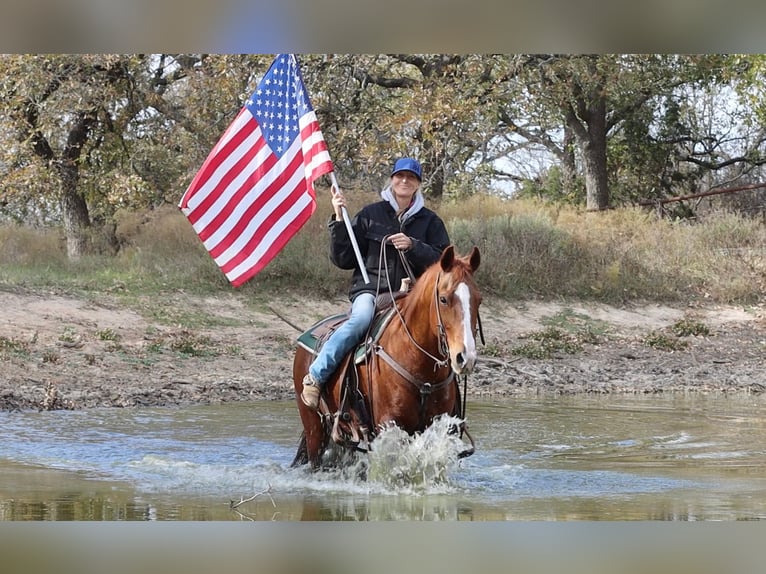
(424, 286)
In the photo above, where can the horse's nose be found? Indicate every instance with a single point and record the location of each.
(464, 362)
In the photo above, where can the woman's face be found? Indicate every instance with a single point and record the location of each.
(405, 184)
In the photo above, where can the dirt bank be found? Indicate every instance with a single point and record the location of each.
(62, 352)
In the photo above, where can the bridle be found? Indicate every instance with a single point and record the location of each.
(424, 388)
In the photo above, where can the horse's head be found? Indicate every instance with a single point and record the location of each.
(457, 299)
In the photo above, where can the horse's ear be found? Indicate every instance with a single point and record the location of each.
(448, 258)
(475, 258)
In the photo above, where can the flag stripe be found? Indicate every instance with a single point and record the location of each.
(218, 188)
(258, 260)
(254, 191)
(249, 213)
(231, 139)
(258, 228)
(218, 196)
(239, 189)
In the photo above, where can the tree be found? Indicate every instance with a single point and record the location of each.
(588, 99)
(433, 106)
(86, 135)
(56, 124)
(95, 133)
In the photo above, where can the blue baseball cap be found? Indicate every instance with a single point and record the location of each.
(408, 164)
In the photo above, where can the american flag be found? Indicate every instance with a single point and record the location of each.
(255, 189)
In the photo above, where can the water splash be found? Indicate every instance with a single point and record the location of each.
(421, 463)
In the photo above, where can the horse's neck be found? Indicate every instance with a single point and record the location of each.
(415, 322)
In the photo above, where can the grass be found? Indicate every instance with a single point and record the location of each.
(13, 347)
(564, 332)
(664, 342)
(528, 249)
(673, 338)
(688, 327)
(585, 327)
(552, 339)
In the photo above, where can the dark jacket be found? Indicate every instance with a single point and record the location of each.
(371, 225)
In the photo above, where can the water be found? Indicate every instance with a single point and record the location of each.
(570, 458)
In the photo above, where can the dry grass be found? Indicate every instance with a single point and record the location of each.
(24, 246)
(529, 249)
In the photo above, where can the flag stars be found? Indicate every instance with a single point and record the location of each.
(278, 104)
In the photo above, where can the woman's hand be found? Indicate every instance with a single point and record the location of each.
(338, 203)
(401, 241)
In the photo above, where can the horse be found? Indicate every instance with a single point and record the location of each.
(405, 372)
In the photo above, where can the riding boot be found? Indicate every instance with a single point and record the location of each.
(311, 391)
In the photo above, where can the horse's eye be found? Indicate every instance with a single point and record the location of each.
(442, 299)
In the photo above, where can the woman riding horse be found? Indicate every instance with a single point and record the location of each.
(401, 230)
(407, 372)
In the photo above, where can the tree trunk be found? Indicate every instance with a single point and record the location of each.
(74, 210)
(568, 166)
(596, 182)
(437, 184)
(594, 158)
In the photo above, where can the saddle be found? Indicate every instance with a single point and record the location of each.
(315, 336)
(351, 424)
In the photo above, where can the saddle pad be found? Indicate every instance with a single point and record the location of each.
(314, 337)
(310, 339)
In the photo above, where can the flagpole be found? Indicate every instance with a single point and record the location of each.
(346, 219)
(351, 235)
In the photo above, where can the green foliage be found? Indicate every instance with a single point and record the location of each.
(190, 344)
(186, 344)
(107, 334)
(583, 327)
(565, 332)
(688, 327)
(374, 107)
(544, 344)
(550, 187)
(152, 119)
(664, 342)
(13, 347)
(69, 335)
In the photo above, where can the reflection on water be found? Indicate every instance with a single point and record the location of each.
(569, 458)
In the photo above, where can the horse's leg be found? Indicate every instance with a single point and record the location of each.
(314, 438)
(302, 455)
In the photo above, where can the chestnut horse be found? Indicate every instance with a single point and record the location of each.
(406, 374)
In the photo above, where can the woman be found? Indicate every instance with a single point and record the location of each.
(402, 221)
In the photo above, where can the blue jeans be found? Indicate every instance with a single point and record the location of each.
(345, 338)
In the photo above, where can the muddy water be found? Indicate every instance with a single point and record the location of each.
(574, 458)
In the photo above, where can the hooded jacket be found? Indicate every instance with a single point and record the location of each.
(371, 225)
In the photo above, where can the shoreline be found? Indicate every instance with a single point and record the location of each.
(62, 352)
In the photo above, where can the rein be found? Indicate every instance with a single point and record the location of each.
(425, 388)
(443, 349)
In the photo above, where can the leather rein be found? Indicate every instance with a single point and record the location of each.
(425, 388)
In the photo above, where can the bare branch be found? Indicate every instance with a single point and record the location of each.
(293, 325)
(234, 505)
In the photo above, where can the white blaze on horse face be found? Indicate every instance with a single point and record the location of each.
(463, 293)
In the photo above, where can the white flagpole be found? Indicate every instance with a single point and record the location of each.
(351, 235)
(346, 219)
